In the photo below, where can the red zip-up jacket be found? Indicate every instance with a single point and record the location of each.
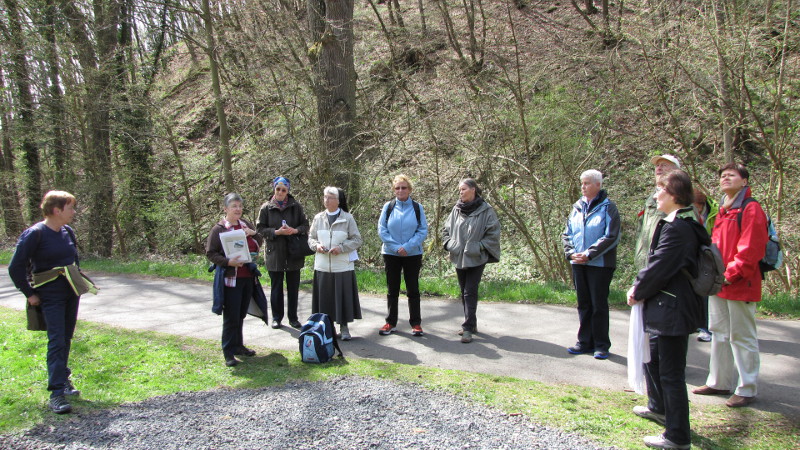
(741, 248)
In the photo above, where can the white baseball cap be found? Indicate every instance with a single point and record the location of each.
(669, 158)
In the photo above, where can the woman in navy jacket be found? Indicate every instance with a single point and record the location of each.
(672, 310)
(47, 245)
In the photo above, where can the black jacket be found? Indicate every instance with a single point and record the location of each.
(671, 306)
(269, 219)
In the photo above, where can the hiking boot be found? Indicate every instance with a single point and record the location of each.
(245, 351)
(461, 332)
(59, 405)
(416, 330)
(387, 329)
(704, 336)
(706, 390)
(645, 413)
(69, 389)
(577, 349)
(737, 401)
(345, 333)
(662, 442)
(466, 337)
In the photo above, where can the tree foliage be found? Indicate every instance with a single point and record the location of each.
(151, 111)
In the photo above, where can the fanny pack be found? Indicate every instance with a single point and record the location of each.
(79, 282)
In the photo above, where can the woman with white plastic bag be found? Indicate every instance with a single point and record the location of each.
(671, 310)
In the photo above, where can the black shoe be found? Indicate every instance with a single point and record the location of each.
(578, 350)
(295, 324)
(59, 405)
(245, 351)
(69, 389)
(276, 324)
(232, 361)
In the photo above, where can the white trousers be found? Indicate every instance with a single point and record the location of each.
(734, 346)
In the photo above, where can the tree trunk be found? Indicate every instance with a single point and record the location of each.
(9, 196)
(335, 85)
(132, 131)
(64, 177)
(27, 127)
(97, 66)
(224, 131)
(724, 83)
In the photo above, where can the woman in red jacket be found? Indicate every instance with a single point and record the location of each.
(740, 232)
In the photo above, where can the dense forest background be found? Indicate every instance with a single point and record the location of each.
(150, 111)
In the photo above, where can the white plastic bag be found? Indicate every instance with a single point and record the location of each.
(638, 349)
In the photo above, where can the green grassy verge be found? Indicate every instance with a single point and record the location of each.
(374, 281)
(113, 366)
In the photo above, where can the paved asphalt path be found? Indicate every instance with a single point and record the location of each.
(524, 341)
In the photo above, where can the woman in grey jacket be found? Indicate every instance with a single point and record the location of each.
(472, 237)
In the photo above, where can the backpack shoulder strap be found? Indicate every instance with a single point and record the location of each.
(416, 212)
(389, 210)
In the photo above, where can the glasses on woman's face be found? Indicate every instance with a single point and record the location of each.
(279, 189)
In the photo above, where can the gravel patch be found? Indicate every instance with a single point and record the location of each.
(346, 413)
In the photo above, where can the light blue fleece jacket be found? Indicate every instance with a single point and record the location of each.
(402, 229)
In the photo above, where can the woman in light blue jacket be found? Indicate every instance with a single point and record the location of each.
(402, 228)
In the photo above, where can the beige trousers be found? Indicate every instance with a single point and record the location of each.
(734, 346)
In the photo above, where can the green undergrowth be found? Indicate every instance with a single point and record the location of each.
(112, 366)
(372, 281)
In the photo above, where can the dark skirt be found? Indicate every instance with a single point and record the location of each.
(336, 294)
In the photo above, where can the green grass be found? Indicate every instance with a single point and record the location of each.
(373, 281)
(114, 366)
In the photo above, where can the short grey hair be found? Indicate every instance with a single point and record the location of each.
(593, 175)
(232, 197)
(331, 190)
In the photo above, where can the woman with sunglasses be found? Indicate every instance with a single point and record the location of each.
(280, 220)
(402, 228)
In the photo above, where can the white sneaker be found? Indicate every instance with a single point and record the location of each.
(662, 442)
(345, 333)
(704, 336)
(645, 413)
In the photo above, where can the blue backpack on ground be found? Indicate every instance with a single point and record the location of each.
(318, 339)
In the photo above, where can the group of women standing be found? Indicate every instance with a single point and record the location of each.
(471, 236)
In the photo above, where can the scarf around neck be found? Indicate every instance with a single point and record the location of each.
(469, 207)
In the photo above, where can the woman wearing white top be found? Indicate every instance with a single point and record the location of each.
(335, 237)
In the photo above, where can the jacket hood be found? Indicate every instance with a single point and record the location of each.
(699, 231)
